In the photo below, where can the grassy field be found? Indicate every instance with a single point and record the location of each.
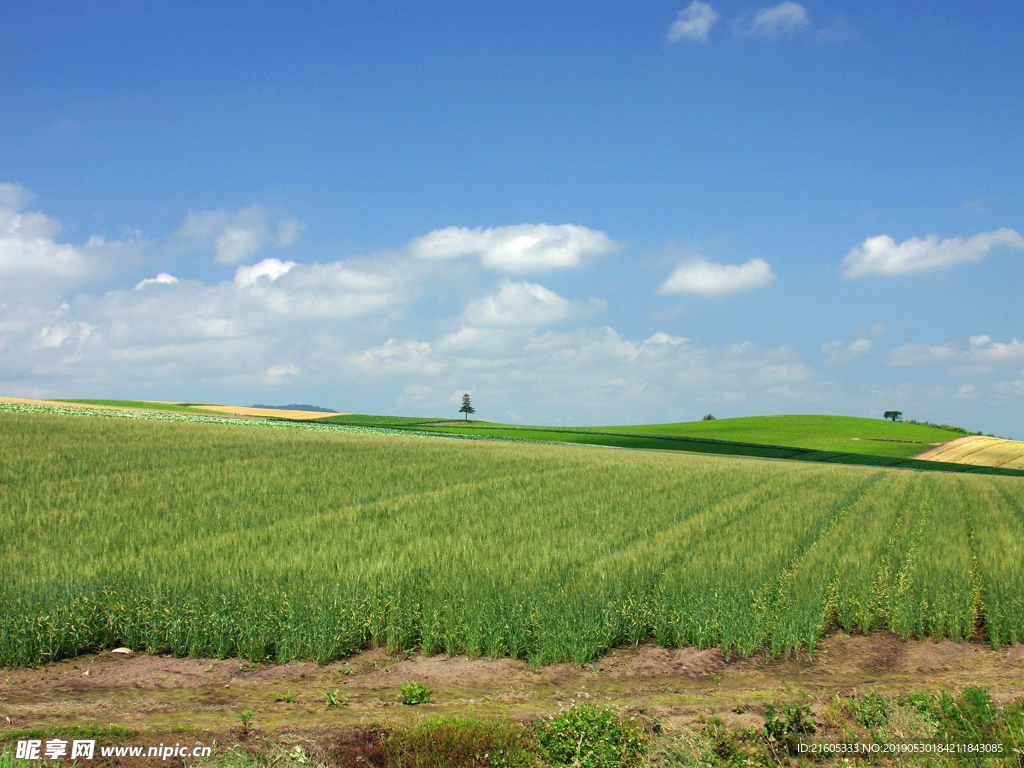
(787, 430)
(836, 434)
(845, 434)
(230, 540)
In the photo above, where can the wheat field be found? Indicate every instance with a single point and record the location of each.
(211, 539)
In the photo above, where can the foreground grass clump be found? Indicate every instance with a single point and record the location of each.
(230, 540)
(468, 743)
(589, 736)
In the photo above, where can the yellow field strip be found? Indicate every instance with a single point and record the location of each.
(231, 410)
(238, 410)
(979, 450)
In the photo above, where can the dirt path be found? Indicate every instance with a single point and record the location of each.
(161, 693)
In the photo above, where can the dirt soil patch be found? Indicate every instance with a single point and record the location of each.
(157, 694)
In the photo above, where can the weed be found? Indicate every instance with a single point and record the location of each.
(415, 693)
(872, 711)
(589, 736)
(245, 717)
(336, 698)
(784, 729)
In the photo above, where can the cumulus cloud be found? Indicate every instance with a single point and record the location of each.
(519, 303)
(517, 249)
(276, 374)
(967, 392)
(709, 279)
(841, 352)
(980, 349)
(693, 23)
(396, 357)
(14, 196)
(882, 255)
(780, 20)
(161, 279)
(235, 236)
(1013, 388)
(270, 269)
(34, 262)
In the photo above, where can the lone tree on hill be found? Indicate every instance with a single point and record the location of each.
(894, 415)
(467, 406)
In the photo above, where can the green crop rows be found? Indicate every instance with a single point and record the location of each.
(220, 538)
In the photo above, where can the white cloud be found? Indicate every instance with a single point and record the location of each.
(841, 352)
(33, 262)
(276, 374)
(161, 279)
(288, 230)
(693, 23)
(981, 349)
(14, 196)
(661, 337)
(709, 279)
(923, 354)
(519, 303)
(967, 392)
(517, 249)
(882, 255)
(1014, 388)
(396, 357)
(234, 235)
(271, 269)
(54, 336)
(780, 20)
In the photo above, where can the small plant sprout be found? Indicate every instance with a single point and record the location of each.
(413, 693)
(288, 697)
(245, 717)
(335, 698)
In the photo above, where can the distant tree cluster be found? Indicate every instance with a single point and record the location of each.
(708, 417)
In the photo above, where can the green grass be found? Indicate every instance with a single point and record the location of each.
(821, 433)
(859, 452)
(292, 543)
(361, 420)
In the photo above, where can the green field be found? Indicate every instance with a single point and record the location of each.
(821, 433)
(823, 439)
(217, 539)
(838, 434)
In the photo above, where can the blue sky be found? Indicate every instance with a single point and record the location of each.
(578, 212)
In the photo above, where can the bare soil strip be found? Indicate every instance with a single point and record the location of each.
(160, 693)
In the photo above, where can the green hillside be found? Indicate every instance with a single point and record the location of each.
(848, 434)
